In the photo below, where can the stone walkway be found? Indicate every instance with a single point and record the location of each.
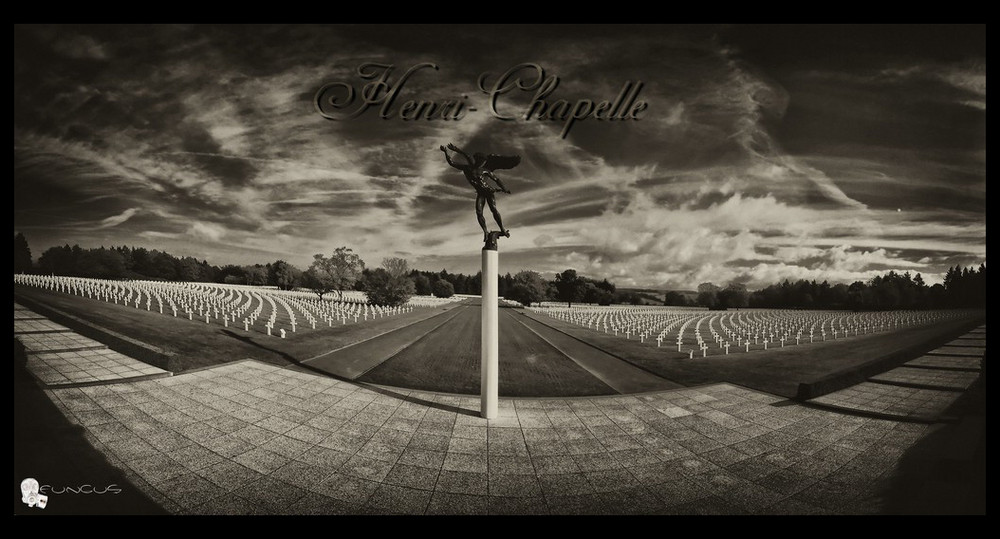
(254, 438)
(922, 389)
(58, 356)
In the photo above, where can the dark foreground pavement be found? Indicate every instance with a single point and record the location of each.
(253, 438)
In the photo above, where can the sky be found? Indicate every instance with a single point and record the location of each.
(763, 153)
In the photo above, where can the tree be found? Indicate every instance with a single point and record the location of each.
(188, 269)
(397, 267)
(504, 285)
(733, 296)
(631, 298)
(56, 260)
(162, 266)
(569, 287)
(230, 274)
(461, 283)
(318, 280)
(422, 285)
(346, 268)
(708, 295)
(22, 254)
(596, 292)
(528, 288)
(389, 285)
(474, 284)
(100, 263)
(675, 299)
(339, 272)
(283, 275)
(443, 289)
(255, 275)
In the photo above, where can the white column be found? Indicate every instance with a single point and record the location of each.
(490, 341)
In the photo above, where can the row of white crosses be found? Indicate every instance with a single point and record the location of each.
(708, 333)
(223, 303)
(629, 322)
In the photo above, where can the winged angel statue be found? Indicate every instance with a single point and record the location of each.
(479, 171)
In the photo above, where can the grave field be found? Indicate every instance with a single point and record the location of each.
(197, 344)
(553, 351)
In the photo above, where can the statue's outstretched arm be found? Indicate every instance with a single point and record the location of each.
(450, 162)
(448, 158)
(459, 151)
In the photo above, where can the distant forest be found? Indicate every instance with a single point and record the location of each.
(962, 287)
(143, 264)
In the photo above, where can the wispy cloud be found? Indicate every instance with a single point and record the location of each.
(116, 220)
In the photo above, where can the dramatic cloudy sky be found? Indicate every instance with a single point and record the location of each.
(765, 153)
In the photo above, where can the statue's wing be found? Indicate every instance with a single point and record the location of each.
(494, 161)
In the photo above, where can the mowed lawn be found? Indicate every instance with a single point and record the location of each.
(197, 344)
(777, 370)
(448, 360)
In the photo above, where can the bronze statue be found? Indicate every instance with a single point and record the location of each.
(479, 171)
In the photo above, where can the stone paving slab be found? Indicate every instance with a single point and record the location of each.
(24, 314)
(946, 362)
(42, 325)
(891, 401)
(35, 343)
(976, 341)
(930, 378)
(84, 366)
(963, 351)
(253, 438)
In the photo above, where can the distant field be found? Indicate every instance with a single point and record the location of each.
(777, 370)
(421, 350)
(197, 344)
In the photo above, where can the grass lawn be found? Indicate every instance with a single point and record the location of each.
(197, 344)
(448, 360)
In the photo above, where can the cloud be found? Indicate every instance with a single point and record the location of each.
(80, 46)
(116, 220)
(207, 231)
(153, 234)
(542, 240)
(968, 77)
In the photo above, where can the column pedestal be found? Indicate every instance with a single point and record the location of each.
(490, 338)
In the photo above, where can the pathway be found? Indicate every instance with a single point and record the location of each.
(57, 356)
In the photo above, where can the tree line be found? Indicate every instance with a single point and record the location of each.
(393, 282)
(962, 287)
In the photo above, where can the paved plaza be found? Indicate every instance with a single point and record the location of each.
(254, 438)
